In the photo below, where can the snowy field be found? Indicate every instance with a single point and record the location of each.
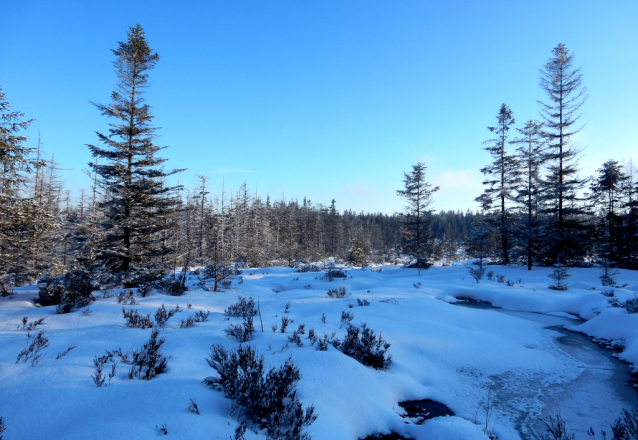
(441, 351)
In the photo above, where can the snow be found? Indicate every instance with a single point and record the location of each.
(441, 351)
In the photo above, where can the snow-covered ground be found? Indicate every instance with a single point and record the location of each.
(441, 351)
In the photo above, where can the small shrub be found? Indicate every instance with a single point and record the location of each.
(346, 318)
(269, 400)
(145, 289)
(284, 323)
(500, 278)
(417, 285)
(361, 344)
(226, 284)
(192, 407)
(559, 275)
(608, 275)
(65, 352)
(3, 427)
(67, 292)
(287, 309)
(308, 287)
(33, 324)
(337, 293)
(135, 320)
(312, 335)
(187, 323)
(555, 429)
(126, 297)
(363, 302)
(510, 283)
(323, 318)
(98, 377)
(242, 309)
(201, 316)
(477, 273)
(149, 361)
(490, 275)
(171, 287)
(86, 312)
(163, 430)
(631, 305)
(608, 293)
(162, 315)
(244, 331)
(308, 268)
(295, 337)
(34, 351)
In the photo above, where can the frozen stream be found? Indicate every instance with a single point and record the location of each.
(594, 397)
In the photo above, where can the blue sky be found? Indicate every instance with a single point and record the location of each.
(322, 99)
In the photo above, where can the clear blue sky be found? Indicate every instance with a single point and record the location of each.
(323, 99)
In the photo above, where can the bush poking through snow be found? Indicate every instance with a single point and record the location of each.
(331, 274)
(244, 331)
(323, 318)
(500, 278)
(33, 324)
(363, 302)
(608, 293)
(631, 305)
(34, 352)
(295, 337)
(477, 273)
(607, 276)
(192, 407)
(361, 344)
(284, 323)
(171, 287)
(149, 361)
(187, 323)
(162, 315)
(145, 289)
(3, 427)
(163, 430)
(555, 429)
(65, 352)
(626, 427)
(490, 275)
(242, 309)
(269, 400)
(126, 297)
(337, 293)
(322, 343)
(346, 318)
(240, 431)
(98, 377)
(68, 292)
(559, 275)
(135, 320)
(201, 316)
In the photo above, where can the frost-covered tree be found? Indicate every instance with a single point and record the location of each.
(137, 198)
(563, 84)
(607, 196)
(500, 182)
(530, 159)
(416, 220)
(16, 207)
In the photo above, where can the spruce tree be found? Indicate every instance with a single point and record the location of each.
(500, 181)
(16, 207)
(530, 159)
(416, 220)
(138, 201)
(565, 230)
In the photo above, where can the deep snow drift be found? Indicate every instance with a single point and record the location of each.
(441, 351)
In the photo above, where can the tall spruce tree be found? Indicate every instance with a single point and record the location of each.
(137, 198)
(500, 181)
(16, 207)
(416, 220)
(563, 84)
(530, 159)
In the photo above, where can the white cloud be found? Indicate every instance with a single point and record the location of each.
(458, 189)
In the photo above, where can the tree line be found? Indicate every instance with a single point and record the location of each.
(132, 225)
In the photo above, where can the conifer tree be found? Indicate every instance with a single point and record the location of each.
(531, 155)
(565, 230)
(137, 199)
(416, 220)
(16, 207)
(501, 181)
